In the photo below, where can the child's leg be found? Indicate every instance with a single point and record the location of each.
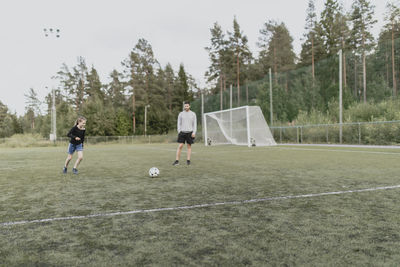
(69, 157)
(79, 159)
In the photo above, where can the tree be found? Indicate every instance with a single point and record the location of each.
(331, 27)
(309, 46)
(6, 122)
(32, 106)
(116, 89)
(139, 72)
(182, 92)
(218, 54)
(276, 49)
(93, 84)
(393, 25)
(169, 83)
(238, 44)
(363, 21)
(74, 83)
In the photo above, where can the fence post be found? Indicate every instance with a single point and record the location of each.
(301, 134)
(327, 134)
(297, 134)
(359, 133)
(280, 134)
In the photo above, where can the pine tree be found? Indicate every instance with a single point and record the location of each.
(238, 45)
(116, 89)
(308, 48)
(363, 21)
(276, 49)
(169, 83)
(218, 53)
(393, 25)
(139, 71)
(74, 83)
(32, 106)
(331, 27)
(93, 84)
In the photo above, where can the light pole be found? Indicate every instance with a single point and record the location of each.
(270, 97)
(145, 119)
(53, 117)
(131, 89)
(53, 33)
(340, 97)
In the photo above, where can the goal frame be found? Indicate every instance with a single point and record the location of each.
(249, 141)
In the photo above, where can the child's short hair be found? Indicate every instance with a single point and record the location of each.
(186, 103)
(79, 119)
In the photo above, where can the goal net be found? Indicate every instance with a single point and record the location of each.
(239, 126)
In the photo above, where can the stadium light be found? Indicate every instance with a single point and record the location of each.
(130, 88)
(270, 97)
(340, 97)
(145, 119)
(49, 32)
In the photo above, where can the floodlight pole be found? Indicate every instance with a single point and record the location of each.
(270, 97)
(340, 97)
(51, 33)
(145, 119)
(202, 112)
(248, 126)
(230, 106)
(54, 116)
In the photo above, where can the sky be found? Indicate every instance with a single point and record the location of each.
(104, 32)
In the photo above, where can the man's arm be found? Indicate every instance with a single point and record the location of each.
(194, 124)
(179, 122)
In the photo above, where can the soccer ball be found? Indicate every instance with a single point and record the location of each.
(154, 172)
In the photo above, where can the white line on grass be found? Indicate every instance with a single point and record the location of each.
(198, 206)
(338, 150)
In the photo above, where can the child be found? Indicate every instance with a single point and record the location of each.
(77, 135)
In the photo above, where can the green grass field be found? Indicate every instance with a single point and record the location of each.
(347, 229)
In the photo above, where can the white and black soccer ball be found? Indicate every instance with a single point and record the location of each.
(154, 172)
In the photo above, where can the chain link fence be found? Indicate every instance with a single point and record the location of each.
(362, 133)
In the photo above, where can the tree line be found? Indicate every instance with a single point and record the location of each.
(301, 83)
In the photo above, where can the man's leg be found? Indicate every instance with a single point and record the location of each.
(178, 151)
(189, 151)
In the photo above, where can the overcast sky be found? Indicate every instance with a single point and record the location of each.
(104, 32)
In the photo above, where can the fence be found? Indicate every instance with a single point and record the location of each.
(363, 133)
(26, 141)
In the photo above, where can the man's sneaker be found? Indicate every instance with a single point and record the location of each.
(188, 162)
(65, 170)
(175, 163)
(75, 171)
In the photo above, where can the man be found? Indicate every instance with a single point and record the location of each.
(187, 126)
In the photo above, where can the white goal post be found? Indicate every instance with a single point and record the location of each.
(244, 125)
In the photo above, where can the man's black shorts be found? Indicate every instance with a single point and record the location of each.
(185, 137)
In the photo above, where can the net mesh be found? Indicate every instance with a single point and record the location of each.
(239, 126)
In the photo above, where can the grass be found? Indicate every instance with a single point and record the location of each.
(353, 229)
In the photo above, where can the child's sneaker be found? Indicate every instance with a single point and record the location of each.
(75, 171)
(176, 162)
(188, 162)
(65, 170)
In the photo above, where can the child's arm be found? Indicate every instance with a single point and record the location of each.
(70, 134)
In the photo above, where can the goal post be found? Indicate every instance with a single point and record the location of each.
(244, 125)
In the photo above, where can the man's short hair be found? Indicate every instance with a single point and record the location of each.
(186, 103)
